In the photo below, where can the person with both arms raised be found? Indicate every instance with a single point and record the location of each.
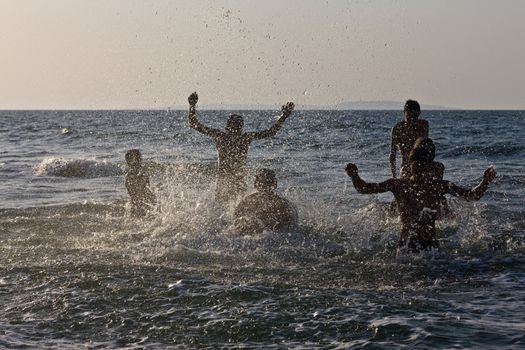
(232, 148)
(141, 198)
(420, 195)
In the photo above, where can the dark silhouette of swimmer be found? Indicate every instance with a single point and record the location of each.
(405, 134)
(419, 197)
(232, 148)
(264, 208)
(426, 146)
(137, 183)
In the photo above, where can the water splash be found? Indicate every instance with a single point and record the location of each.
(81, 168)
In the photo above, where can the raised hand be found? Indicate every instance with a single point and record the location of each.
(351, 169)
(490, 174)
(287, 108)
(193, 99)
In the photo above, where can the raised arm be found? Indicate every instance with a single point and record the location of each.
(368, 187)
(194, 122)
(393, 151)
(286, 111)
(473, 194)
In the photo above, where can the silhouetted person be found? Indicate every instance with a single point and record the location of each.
(405, 134)
(265, 209)
(141, 198)
(419, 197)
(232, 148)
(425, 145)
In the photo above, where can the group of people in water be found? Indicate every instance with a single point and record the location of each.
(419, 191)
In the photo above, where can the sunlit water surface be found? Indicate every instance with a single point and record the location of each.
(76, 271)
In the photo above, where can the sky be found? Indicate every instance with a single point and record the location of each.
(120, 54)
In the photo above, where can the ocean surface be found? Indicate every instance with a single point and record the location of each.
(77, 272)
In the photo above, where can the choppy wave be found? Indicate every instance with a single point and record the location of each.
(498, 149)
(88, 271)
(186, 229)
(77, 271)
(81, 168)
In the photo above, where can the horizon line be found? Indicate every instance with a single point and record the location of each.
(251, 109)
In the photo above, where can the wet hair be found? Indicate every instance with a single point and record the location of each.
(412, 106)
(132, 154)
(265, 180)
(423, 150)
(235, 122)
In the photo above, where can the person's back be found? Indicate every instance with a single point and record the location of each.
(437, 171)
(420, 196)
(268, 208)
(424, 149)
(419, 201)
(137, 184)
(139, 194)
(232, 148)
(405, 134)
(274, 211)
(232, 152)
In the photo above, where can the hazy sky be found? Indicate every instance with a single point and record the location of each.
(152, 54)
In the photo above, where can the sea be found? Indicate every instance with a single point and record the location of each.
(76, 271)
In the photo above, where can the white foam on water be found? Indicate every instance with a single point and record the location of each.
(80, 167)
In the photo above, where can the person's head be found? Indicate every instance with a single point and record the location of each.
(133, 157)
(234, 124)
(265, 180)
(424, 149)
(412, 110)
(422, 155)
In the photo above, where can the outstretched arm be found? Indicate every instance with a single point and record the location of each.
(368, 187)
(286, 111)
(393, 151)
(474, 194)
(194, 122)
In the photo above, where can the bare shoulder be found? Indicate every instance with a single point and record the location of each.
(399, 184)
(397, 129)
(248, 201)
(248, 136)
(244, 205)
(220, 136)
(398, 126)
